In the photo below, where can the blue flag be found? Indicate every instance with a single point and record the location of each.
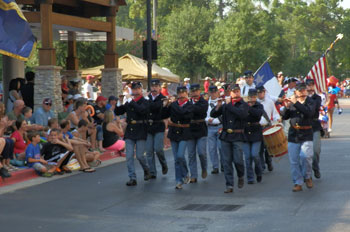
(265, 77)
(16, 37)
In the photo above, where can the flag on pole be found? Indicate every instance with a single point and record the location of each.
(16, 37)
(264, 76)
(319, 74)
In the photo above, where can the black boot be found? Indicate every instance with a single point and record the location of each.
(4, 173)
(165, 169)
(131, 182)
(147, 175)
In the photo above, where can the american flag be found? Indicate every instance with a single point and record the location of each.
(319, 74)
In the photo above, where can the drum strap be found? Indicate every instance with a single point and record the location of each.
(267, 118)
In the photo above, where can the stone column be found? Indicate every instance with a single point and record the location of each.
(48, 84)
(71, 74)
(111, 82)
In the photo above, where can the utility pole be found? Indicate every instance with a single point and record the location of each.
(149, 45)
(155, 5)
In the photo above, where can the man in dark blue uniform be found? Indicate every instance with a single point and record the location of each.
(316, 127)
(300, 110)
(234, 112)
(253, 136)
(180, 112)
(199, 132)
(136, 131)
(155, 130)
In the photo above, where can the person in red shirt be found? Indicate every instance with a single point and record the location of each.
(20, 145)
(206, 84)
(164, 90)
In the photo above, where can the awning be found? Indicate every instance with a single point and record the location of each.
(134, 68)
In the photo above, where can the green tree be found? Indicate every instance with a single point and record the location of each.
(183, 39)
(234, 44)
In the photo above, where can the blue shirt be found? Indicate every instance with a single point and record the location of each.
(41, 117)
(32, 152)
(70, 135)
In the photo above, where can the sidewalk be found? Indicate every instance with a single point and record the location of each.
(27, 174)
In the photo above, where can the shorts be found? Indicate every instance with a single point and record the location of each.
(39, 166)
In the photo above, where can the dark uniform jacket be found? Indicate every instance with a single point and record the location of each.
(233, 118)
(316, 124)
(179, 115)
(300, 115)
(135, 117)
(253, 129)
(154, 119)
(199, 127)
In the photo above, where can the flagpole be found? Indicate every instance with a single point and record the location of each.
(267, 60)
(339, 37)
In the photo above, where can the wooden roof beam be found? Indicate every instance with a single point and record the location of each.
(79, 22)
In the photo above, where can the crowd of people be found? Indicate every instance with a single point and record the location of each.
(226, 120)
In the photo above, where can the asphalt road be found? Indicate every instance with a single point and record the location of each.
(101, 202)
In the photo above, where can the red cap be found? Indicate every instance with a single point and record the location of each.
(89, 77)
(101, 98)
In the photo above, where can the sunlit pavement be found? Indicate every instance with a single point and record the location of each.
(101, 201)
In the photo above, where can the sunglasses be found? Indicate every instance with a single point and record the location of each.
(48, 104)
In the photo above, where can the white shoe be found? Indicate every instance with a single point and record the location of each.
(329, 130)
(178, 186)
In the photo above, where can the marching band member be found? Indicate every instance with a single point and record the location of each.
(300, 110)
(234, 112)
(316, 127)
(290, 89)
(249, 80)
(199, 132)
(136, 130)
(155, 130)
(253, 136)
(180, 113)
(214, 125)
(271, 116)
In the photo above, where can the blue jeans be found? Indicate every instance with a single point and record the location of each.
(300, 158)
(181, 170)
(232, 152)
(214, 146)
(140, 150)
(99, 136)
(317, 150)
(155, 144)
(194, 146)
(251, 153)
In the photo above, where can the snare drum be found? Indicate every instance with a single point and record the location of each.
(275, 141)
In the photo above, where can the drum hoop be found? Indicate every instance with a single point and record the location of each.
(270, 127)
(282, 154)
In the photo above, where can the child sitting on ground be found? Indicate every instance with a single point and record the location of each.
(34, 159)
(57, 151)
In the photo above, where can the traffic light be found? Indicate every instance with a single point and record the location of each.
(154, 49)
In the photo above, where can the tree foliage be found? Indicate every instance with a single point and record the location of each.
(207, 37)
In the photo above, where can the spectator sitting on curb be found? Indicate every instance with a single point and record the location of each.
(81, 133)
(80, 146)
(52, 124)
(18, 137)
(34, 159)
(57, 152)
(112, 132)
(16, 113)
(27, 114)
(44, 113)
(81, 113)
